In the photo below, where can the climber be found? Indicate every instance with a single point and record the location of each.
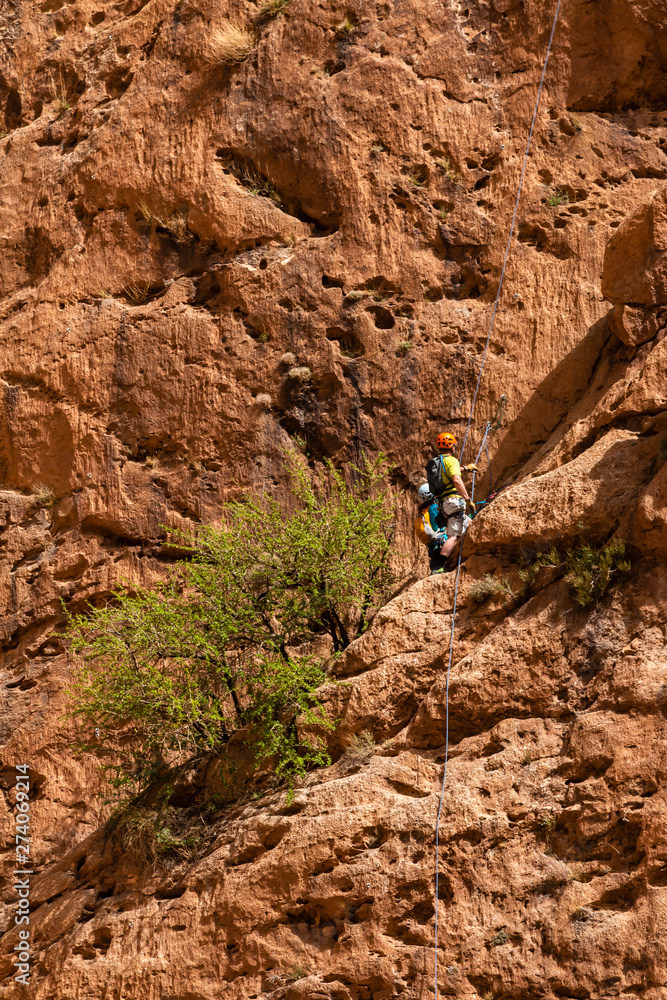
(448, 489)
(427, 529)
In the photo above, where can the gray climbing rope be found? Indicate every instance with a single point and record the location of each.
(472, 409)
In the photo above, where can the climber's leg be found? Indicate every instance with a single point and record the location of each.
(457, 522)
(435, 558)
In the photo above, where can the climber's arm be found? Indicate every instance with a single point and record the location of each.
(458, 482)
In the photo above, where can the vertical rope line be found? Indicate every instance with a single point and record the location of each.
(444, 776)
(472, 409)
(516, 209)
(488, 462)
(474, 472)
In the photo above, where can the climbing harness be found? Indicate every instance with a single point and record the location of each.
(486, 433)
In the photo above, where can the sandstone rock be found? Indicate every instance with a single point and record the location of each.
(635, 264)
(634, 325)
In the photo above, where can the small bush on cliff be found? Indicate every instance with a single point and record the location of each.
(557, 198)
(271, 8)
(43, 496)
(592, 572)
(360, 749)
(589, 571)
(230, 44)
(213, 652)
(489, 586)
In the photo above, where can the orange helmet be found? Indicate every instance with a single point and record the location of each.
(446, 442)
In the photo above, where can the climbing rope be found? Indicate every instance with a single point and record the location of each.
(474, 471)
(486, 433)
(516, 209)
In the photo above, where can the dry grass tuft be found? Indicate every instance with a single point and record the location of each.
(230, 44)
(59, 92)
(137, 292)
(360, 749)
(176, 224)
(489, 586)
(43, 496)
(302, 374)
(264, 400)
(448, 169)
(345, 28)
(271, 8)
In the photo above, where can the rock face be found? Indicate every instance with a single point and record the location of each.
(203, 264)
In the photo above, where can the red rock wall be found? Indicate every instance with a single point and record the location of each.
(154, 302)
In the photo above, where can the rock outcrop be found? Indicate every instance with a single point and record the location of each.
(205, 264)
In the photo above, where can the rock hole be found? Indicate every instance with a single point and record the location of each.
(329, 282)
(13, 110)
(102, 939)
(532, 234)
(97, 18)
(170, 892)
(117, 83)
(349, 343)
(382, 318)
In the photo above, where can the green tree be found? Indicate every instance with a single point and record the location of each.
(177, 670)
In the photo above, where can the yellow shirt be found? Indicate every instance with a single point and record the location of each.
(450, 468)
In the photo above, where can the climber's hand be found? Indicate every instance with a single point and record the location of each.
(472, 509)
(471, 467)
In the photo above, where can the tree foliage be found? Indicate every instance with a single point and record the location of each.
(173, 671)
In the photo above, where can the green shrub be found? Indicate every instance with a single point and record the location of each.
(557, 198)
(175, 671)
(592, 572)
(589, 572)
